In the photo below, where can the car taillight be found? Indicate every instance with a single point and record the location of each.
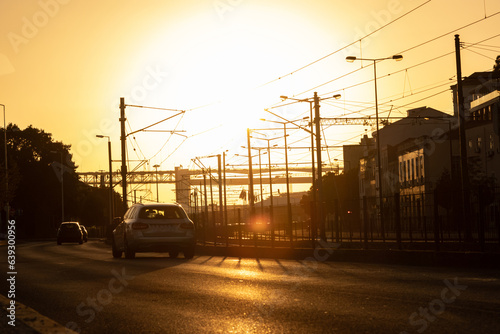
(187, 226)
(139, 226)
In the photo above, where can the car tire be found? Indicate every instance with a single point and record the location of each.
(189, 253)
(173, 254)
(129, 253)
(59, 242)
(80, 241)
(116, 252)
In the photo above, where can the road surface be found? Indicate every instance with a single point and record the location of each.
(83, 288)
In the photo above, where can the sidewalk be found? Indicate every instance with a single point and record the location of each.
(333, 252)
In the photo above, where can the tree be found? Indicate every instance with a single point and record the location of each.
(42, 169)
(343, 188)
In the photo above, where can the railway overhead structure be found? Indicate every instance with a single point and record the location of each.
(185, 180)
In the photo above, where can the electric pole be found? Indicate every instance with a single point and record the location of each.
(319, 183)
(464, 170)
(123, 139)
(250, 177)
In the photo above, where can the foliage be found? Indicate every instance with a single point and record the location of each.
(40, 170)
(342, 188)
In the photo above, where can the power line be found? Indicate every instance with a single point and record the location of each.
(348, 45)
(414, 47)
(326, 56)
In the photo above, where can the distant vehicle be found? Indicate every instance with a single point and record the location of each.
(84, 233)
(154, 228)
(69, 232)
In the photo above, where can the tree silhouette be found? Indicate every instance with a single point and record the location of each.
(39, 169)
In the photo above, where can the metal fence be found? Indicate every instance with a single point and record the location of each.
(433, 221)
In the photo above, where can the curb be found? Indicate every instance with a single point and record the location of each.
(27, 320)
(395, 257)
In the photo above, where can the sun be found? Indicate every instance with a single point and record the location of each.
(220, 73)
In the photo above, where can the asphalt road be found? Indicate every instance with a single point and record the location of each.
(84, 288)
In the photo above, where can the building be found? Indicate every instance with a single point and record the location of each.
(422, 149)
(411, 159)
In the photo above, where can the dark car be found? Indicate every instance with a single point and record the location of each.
(85, 233)
(69, 232)
(154, 228)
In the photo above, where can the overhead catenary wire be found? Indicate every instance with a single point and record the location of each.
(307, 65)
(401, 52)
(326, 56)
(348, 45)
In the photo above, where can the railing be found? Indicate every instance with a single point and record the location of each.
(417, 221)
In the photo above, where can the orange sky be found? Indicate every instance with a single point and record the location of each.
(65, 64)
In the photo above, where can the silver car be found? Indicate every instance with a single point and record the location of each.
(154, 228)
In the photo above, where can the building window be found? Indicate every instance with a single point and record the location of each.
(417, 169)
(421, 166)
(413, 169)
(401, 177)
(404, 171)
(408, 170)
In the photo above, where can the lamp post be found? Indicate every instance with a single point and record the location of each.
(379, 162)
(250, 177)
(317, 123)
(111, 204)
(157, 193)
(271, 205)
(288, 204)
(7, 216)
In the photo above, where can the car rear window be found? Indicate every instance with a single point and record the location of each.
(69, 226)
(162, 212)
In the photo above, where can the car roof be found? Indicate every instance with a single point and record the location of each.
(156, 204)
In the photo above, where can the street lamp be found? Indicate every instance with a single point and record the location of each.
(111, 204)
(289, 206)
(271, 205)
(157, 193)
(350, 59)
(6, 168)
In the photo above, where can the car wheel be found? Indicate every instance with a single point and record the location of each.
(116, 253)
(59, 242)
(80, 241)
(173, 254)
(129, 253)
(189, 253)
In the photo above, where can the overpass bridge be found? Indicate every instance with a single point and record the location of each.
(185, 179)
